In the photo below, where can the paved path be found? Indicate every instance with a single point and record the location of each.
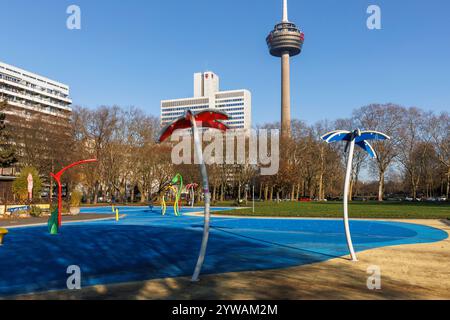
(5, 223)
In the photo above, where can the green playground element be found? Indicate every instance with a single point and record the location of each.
(176, 181)
(53, 227)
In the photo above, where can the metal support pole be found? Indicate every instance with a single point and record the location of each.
(204, 173)
(253, 198)
(346, 194)
(59, 203)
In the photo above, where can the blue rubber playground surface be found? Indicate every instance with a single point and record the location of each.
(145, 245)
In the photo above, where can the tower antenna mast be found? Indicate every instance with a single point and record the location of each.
(285, 11)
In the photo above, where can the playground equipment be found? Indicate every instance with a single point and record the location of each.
(30, 187)
(359, 138)
(52, 223)
(191, 189)
(3, 233)
(55, 224)
(177, 180)
(209, 119)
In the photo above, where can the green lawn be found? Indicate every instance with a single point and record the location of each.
(397, 210)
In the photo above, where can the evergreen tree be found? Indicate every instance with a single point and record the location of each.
(7, 152)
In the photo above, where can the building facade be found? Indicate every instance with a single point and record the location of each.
(28, 93)
(207, 95)
(37, 117)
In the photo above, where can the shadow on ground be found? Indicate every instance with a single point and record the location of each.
(318, 281)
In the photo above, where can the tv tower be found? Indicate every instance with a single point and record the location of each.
(285, 41)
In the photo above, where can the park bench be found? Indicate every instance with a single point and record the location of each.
(3, 232)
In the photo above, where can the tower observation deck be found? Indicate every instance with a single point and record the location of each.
(285, 38)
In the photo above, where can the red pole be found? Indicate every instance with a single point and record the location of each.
(59, 203)
(57, 178)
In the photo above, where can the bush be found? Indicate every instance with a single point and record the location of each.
(65, 207)
(75, 199)
(35, 211)
(20, 185)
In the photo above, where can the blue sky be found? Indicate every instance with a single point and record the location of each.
(138, 52)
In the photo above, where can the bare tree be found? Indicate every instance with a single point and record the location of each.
(130, 163)
(411, 154)
(440, 132)
(387, 119)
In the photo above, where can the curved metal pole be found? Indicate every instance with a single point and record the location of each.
(180, 188)
(57, 177)
(163, 203)
(198, 150)
(176, 209)
(346, 192)
(59, 174)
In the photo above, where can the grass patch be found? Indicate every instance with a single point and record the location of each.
(384, 210)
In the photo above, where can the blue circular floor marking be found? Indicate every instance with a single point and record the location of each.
(144, 245)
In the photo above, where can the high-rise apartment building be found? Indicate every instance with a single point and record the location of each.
(207, 95)
(28, 93)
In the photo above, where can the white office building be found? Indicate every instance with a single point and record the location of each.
(207, 95)
(28, 93)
